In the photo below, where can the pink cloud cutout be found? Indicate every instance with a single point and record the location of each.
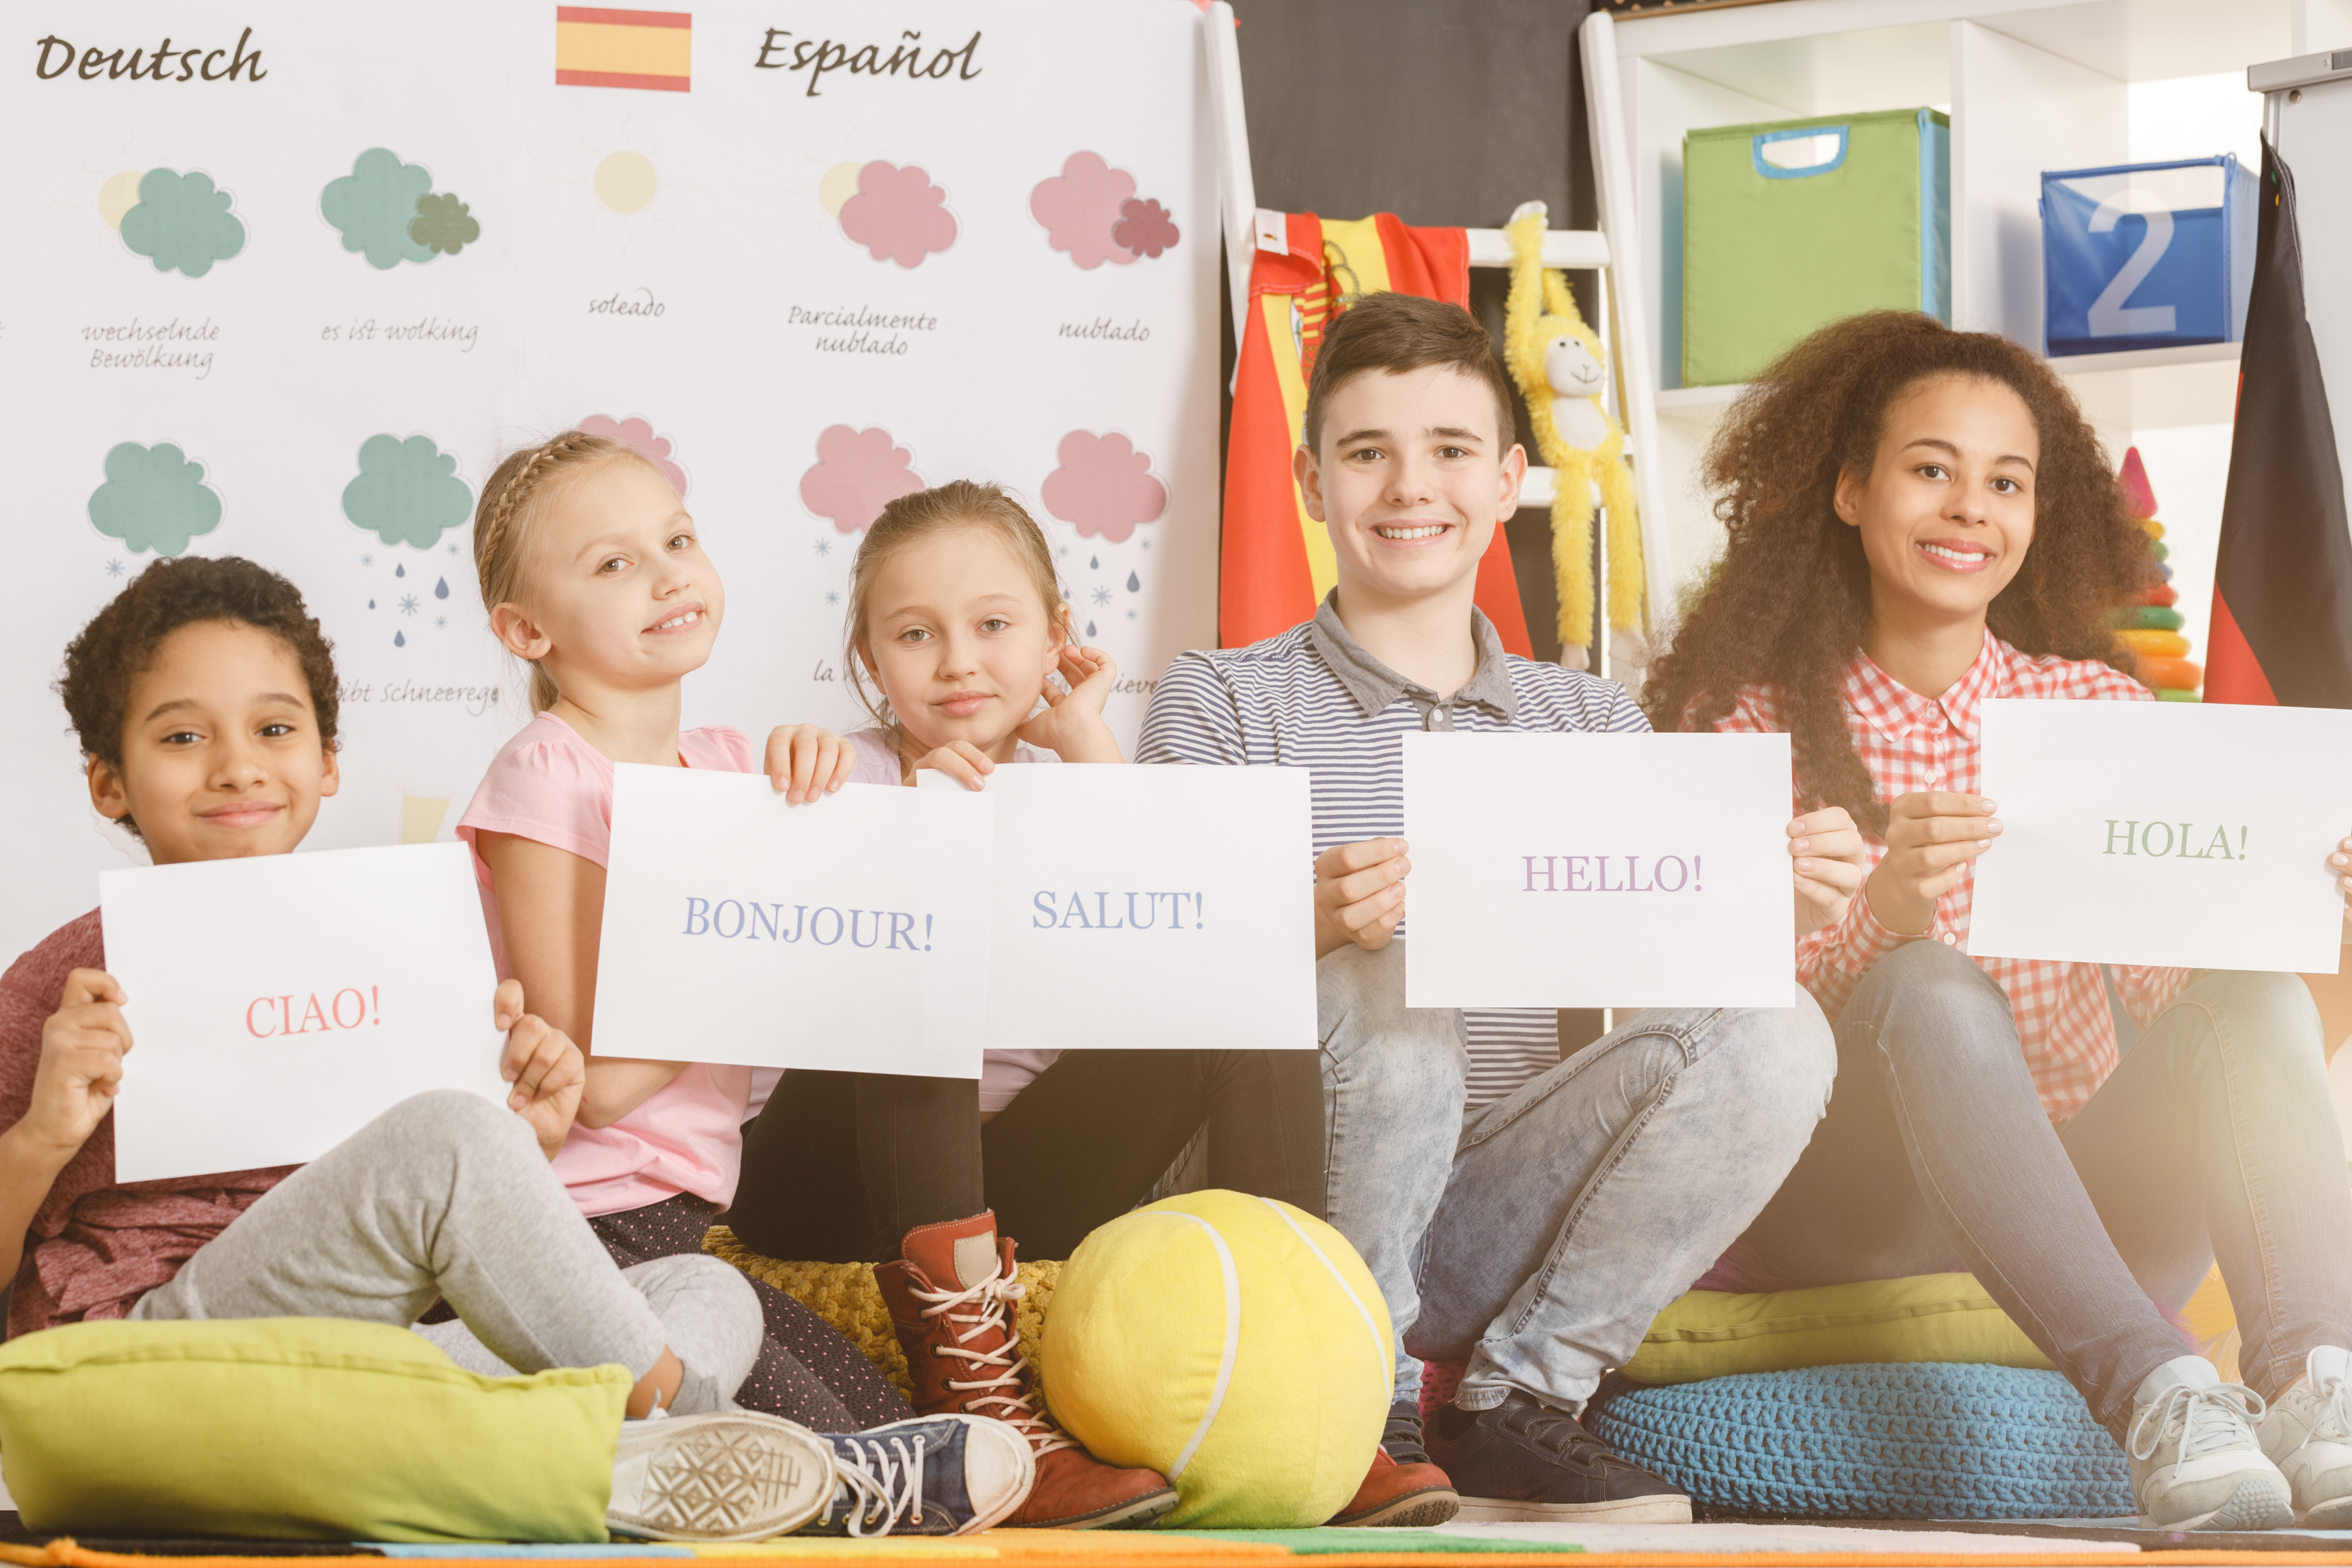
(858, 472)
(639, 436)
(898, 214)
(1080, 208)
(1144, 227)
(1104, 485)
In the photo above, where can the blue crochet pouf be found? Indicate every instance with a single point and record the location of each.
(1911, 1441)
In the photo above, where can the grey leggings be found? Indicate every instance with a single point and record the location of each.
(446, 1196)
(2216, 1133)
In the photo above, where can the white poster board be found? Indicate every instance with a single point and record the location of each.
(2161, 833)
(288, 291)
(849, 934)
(1149, 907)
(278, 1004)
(1572, 871)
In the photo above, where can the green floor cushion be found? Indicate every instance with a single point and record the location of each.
(1927, 1317)
(310, 1428)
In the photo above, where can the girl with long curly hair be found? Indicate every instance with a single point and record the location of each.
(1920, 519)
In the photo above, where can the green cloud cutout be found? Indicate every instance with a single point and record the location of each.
(182, 223)
(374, 205)
(407, 492)
(442, 222)
(153, 498)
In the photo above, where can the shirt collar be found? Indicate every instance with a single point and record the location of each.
(1375, 686)
(1894, 710)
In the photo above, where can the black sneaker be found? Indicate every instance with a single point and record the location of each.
(936, 1475)
(1525, 1461)
(1401, 1438)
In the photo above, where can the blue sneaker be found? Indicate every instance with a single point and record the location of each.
(936, 1475)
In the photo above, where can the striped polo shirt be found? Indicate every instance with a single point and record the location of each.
(1312, 698)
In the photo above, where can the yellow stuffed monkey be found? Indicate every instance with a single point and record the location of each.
(1558, 362)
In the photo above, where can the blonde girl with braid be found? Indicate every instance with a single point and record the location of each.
(595, 577)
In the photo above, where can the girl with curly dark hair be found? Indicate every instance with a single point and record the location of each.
(1918, 520)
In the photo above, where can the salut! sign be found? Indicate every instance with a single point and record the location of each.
(296, 1012)
(1115, 911)
(1634, 873)
(2157, 841)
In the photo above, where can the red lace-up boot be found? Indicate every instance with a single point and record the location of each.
(951, 1298)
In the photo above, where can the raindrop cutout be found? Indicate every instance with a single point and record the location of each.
(1093, 562)
(400, 571)
(441, 589)
(1134, 584)
(400, 639)
(371, 603)
(1090, 628)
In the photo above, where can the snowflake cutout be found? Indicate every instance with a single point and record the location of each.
(833, 598)
(367, 559)
(114, 568)
(1130, 614)
(442, 622)
(1101, 596)
(824, 547)
(408, 605)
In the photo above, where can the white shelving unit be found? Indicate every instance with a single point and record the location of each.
(2029, 85)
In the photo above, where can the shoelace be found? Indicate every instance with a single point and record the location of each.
(867, 1474)
(2210, 1419)
(1002, 1399)
(2335, 1403)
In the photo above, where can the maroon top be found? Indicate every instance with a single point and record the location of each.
(95, 1246)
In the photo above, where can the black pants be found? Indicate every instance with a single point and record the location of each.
(840, 1165)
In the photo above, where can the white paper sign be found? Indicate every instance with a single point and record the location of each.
(849, 934)
(1151, 908)
(1565, 870)
(2160, 833)
(280, 1003)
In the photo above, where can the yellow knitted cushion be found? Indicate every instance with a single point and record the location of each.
(844, 1295)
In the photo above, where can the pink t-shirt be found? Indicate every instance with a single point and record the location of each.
(549, 784)
(1003, 1074)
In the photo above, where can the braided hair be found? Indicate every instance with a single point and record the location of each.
(510, 501)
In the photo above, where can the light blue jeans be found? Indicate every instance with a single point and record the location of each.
(1539, 1238)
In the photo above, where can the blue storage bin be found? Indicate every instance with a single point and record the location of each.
(2146, 256)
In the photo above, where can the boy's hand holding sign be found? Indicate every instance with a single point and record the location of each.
(349, 981)
(2145, 833)
(1570, 870)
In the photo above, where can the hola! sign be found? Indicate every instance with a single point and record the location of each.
(255, 1044)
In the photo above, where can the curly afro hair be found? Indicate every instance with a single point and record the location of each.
(1789, 604)
(121, 640)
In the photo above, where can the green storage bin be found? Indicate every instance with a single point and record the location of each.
(1794, 225)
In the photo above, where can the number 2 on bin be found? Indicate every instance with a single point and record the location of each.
(2109, 316)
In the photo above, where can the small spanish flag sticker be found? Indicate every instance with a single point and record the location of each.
(597, 47)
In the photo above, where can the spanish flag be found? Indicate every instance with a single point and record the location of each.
(1276, 561)
(596, 48)
(2282, 629)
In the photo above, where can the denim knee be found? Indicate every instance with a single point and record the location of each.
(1399, 1055)
(2263, 1010)
(1926, 995)
(1783, 1058)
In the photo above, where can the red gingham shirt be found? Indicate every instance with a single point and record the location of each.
(1912, 743)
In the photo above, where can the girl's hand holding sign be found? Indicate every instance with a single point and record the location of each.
(1831, 862)
(807, 761)
(1931, 838)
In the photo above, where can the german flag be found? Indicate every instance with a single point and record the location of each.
(597, 47)
(2282, 630)
(1276, 564)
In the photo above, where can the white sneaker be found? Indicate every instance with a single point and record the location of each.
(2196, 1463)
(2307, 1432)
(735, 1475)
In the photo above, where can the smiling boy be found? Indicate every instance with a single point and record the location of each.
(1538, 1236)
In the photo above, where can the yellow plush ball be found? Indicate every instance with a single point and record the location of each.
(1233, 1343)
